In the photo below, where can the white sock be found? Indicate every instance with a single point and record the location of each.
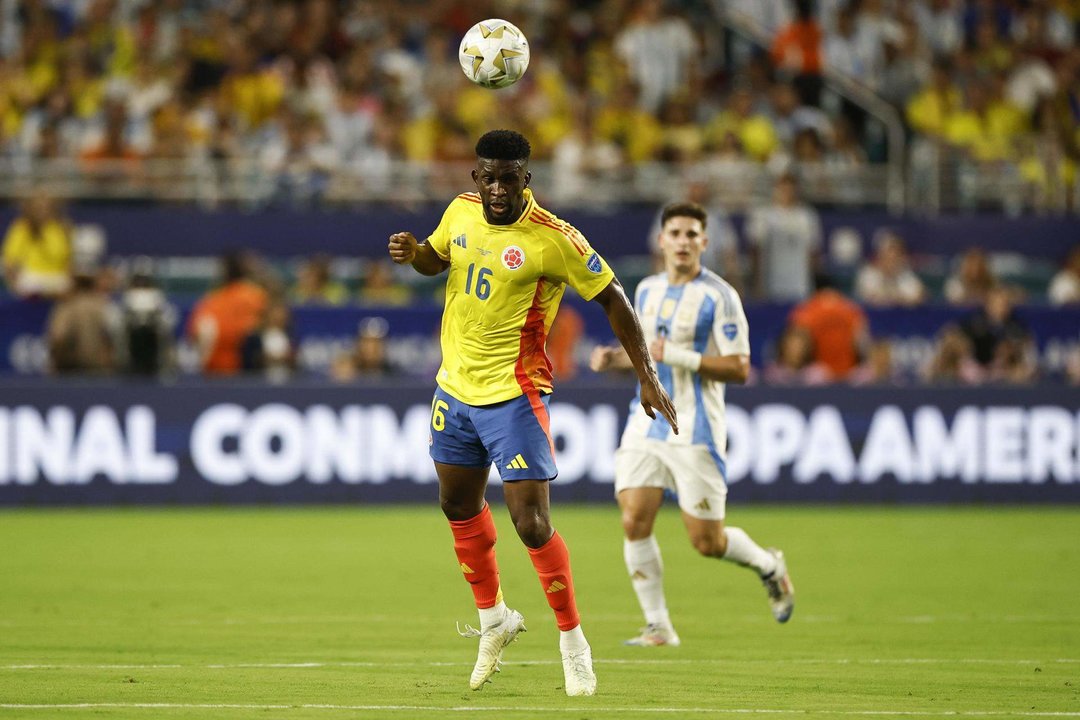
(646, 569)
(489, 617)
(744, 551)
(572, 640)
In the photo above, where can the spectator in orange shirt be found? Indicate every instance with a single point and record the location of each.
(225, 316)
(837, 325)
(563, 338)
(796, 51)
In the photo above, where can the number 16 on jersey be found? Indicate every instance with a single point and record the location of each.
(483, 286)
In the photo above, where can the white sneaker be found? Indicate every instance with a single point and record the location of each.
(655, 635)
(492, 642)
(578, 672)
(780, 588)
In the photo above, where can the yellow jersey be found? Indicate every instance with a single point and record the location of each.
(48, 252)
(502, 293)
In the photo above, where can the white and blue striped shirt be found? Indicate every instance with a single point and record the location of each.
(705, 315)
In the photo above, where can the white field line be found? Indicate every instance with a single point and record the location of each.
(522, 709)
(598, 661)
(604, 617)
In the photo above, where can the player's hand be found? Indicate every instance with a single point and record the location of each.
(600, 359)
(402, 247)
(654, 398)
(656, 349)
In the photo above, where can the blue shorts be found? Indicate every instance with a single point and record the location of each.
(513, 434)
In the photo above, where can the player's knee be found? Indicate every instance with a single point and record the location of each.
(636, 526)
(458, 510)
(534, 528)
(709, 544)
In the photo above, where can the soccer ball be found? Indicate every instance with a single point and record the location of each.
(494, 54)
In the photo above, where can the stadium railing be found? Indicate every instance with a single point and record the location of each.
(884, 119)
(246, 182)
(939, 178)
(945, 178)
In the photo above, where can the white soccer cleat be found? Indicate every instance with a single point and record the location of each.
(655, 635)
(492, 642)
(780, 588)
(578, 672)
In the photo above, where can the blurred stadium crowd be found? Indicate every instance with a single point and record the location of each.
(302, 93)
(748, 105)
(116, 318)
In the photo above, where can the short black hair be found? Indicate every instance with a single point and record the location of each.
(684, 209)
(503, 145)
(234, 266)
(824, 281)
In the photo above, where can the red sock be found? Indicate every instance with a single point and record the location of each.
(552, 563)
(474, 543)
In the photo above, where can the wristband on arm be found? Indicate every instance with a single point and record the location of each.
(681, 357)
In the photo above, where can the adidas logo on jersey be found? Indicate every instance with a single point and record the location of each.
(460, 241)
(518, 463)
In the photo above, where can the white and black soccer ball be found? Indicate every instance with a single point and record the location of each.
(494, 53)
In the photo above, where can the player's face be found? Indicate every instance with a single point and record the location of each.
(501, 184)
(682, 239)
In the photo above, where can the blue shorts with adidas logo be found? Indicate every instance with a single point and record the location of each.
(514, 434)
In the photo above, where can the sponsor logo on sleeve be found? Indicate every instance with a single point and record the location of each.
(594, 264)
(730, 330)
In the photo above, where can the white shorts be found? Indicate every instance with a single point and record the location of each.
(690, 471)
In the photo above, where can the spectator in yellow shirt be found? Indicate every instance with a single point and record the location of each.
(37, 250)
(988, 132)
(436, 134)
(255, 93)
(636, 132)
(682, 137)
(755, 131)
(931, 107)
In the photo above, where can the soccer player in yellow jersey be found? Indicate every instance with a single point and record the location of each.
(509, 263)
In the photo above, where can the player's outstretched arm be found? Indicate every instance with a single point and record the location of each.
(404, 248)
(726, 368)
(624, 322)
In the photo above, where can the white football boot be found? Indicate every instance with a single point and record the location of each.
(780, 588)
(578, 672)
(655, 635)
(492, 642)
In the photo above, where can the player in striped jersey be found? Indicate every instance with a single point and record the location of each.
(698, 335)
(510, 261)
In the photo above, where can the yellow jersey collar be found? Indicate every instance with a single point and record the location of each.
(527, 207)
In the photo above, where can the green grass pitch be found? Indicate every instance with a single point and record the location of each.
(349, 612)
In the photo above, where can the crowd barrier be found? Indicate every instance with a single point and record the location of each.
(97, 443)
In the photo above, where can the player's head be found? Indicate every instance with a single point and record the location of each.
(682, 237)
(234, 266)
(786, 190)
(502, 174)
